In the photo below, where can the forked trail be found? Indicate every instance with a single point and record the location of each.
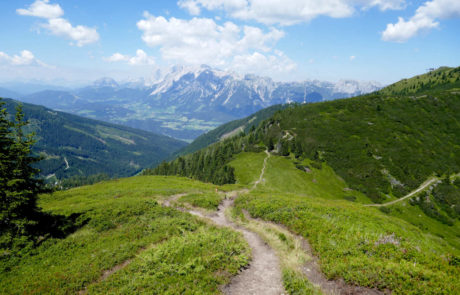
(263, 276)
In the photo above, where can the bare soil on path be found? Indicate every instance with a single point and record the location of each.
(263, 275)
(262, 172)
(423, 186)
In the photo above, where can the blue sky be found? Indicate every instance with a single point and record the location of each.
(76, 41)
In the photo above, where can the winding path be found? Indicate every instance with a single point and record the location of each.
(263, 276)
(262, 172)
(423, 186)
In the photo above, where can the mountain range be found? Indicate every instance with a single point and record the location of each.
(185, 102)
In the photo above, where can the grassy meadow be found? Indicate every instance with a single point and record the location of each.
(127, 243)
(362, 245)
(210, 200)
(122, 221)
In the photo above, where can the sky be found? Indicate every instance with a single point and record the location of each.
(70, 42)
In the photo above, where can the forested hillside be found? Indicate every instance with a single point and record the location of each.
(75, 146)
(230, 129)
(383, 145)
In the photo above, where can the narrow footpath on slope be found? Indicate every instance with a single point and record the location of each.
(263, 275)
(422, 187)
(262, 172)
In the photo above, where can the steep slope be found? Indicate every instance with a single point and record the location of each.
(380, 144)
(126, 242)
(230, 129)
(73, 145)
(442, 78)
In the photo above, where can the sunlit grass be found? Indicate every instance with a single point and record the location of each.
(122, 220)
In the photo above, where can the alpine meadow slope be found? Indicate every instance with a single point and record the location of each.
(383, 145)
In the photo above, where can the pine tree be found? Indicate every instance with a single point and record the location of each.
(270, 145)
(284, 150)
(19, 186)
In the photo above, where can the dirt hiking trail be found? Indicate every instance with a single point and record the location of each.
(262, 172)
(263, 275)
(423, 186)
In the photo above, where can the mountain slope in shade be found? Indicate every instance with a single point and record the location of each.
(73, 145)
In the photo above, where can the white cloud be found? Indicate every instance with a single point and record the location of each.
(352, 57)
(272, 64)
(41, 8)
(25, 58)
(82, 35)
(425, 18)
(383, 5)
(116, 57)
(190, 6)
(58, 26)
(203, 41)
(287, 12)
(141, 58)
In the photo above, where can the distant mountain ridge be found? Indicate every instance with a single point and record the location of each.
(190, 88)
(188, 101)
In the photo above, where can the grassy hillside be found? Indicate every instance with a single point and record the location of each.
(362, 245)
(281, 176)
(443, 78)
(127, 243)
(77, 146)
(229, 129)
(380, 145)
